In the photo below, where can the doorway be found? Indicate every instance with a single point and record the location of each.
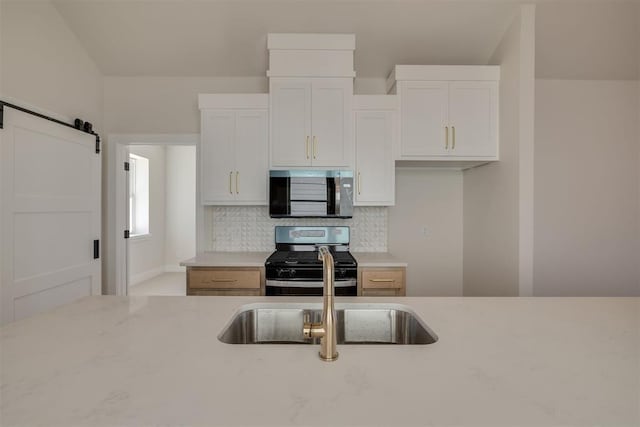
(156, 201)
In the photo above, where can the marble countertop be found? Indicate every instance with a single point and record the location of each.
(377, 259)
(143, 361)
(257, 259)
(227, 259)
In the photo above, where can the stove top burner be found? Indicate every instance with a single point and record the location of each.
(293, 258)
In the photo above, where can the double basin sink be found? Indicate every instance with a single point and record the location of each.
(281, 323)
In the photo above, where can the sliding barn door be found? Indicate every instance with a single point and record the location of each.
(50, 215)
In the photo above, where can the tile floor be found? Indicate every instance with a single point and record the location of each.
(166, 284)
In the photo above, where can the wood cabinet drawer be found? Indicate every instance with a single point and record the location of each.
(381, 292)
(224, 278)
(379, 278)
(225, 292)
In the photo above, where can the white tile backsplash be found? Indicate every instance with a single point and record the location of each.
(249, 228)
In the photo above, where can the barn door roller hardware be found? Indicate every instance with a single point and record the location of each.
(78, 124)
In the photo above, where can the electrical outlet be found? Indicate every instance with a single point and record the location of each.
(425, 232)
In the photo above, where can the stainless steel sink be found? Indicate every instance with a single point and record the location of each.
(281, 323)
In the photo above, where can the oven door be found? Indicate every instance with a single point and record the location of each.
(347, 287)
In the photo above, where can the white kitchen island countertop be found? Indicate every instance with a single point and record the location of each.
(257, 259)
(377, 259)
(149, 361)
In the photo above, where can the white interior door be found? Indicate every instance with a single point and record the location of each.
(51, 191)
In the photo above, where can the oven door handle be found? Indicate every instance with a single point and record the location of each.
(309, 283)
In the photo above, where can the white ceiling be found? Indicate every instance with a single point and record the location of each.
(228, 38)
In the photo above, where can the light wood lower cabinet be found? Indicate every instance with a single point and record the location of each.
(382, 281)
(233, 281)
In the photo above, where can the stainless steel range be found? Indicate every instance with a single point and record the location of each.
(294, 268)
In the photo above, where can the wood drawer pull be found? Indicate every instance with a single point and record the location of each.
(383, 280)
(222, 280)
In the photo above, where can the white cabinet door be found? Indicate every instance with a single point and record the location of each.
(375, 166)
(424, 111)
(473, 109)
(251, 151)
(217, 156)
(290, 122)
(330, 122)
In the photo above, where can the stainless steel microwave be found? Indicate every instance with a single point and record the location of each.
(310, 194)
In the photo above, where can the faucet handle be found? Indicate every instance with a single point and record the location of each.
(311, 330)
(306, 326)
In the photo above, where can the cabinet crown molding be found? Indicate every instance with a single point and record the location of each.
(310, 41)
(442, 73)
(311, 55)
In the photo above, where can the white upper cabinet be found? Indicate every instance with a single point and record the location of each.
(311, 122)
(424, 116)
(375, 118)
(311, 91)
(234, 149)
(473, 119)
(290, 122)
(447, 112)
(217, 156)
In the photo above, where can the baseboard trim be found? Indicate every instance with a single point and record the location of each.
(175, 269)
(145, 275)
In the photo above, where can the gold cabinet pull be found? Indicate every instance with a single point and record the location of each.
(306, 147)
(359, 183)
(446, 137)
(315, 145)
(382, 280)
(230, 178)
(237, 179)
(453, 143)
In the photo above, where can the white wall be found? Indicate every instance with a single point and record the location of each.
(588, 40)
(146, 254)
(44, 65)
(587, 185)
(428, 200)
(587, 155)
(165, 104)
(497, 196)
(180, 237)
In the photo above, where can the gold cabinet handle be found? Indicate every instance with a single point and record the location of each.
(453, 143)
(446, 137)
(359, 183)
(306, 147)
(222, 280)
(315, 147)
(237, 179)
(230, 178)
(382, 280)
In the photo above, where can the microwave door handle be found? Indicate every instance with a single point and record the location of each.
(337, 193)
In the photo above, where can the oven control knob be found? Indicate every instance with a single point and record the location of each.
(292, 272)
(280, 272)
(341, 272)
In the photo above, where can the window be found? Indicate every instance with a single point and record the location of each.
(138, 195)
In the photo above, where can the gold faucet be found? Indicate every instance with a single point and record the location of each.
(327, 329)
